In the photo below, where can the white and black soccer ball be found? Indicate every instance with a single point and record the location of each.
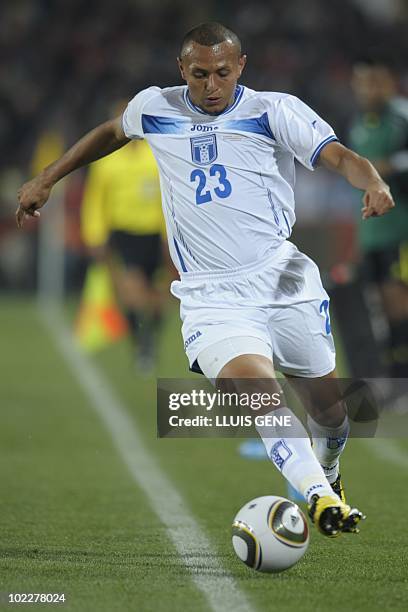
(270, 534)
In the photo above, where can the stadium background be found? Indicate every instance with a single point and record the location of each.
(70, 505)
(64, 64)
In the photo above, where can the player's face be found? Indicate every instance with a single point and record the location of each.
(373, 86)
(211, 74)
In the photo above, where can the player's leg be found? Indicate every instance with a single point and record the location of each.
(235, 368)
(143, 313)
(395, 300)
(327, 421)
(133, 264)
(223, 315)
(387, 270)
(149, 261)
(300, 333)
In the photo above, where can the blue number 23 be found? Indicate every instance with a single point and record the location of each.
(223, 190)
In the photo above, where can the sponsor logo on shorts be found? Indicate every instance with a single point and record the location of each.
(324, 309)
(280, 453)
(191, 339)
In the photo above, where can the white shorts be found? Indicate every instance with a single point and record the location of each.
(281, 302)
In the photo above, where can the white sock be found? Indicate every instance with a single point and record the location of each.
(328, 444)
(294, 456)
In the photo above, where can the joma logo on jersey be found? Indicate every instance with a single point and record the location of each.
(203, 128)
(204, 149)
(192, 338)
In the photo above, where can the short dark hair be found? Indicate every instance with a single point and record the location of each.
(209, 34)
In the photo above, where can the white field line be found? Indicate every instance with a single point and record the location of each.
(194, 547)
(387, 450)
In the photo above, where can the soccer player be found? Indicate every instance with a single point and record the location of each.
(250, 301)
(380, 133)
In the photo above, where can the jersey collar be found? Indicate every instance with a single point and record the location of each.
(239, 90)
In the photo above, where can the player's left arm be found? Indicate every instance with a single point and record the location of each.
(360, 173)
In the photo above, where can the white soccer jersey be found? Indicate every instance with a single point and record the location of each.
(228, 180)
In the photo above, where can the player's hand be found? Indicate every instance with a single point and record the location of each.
(377, 200)
(32, 196)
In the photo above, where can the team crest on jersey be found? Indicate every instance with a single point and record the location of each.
(204, 149)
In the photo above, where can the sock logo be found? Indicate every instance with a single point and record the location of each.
(280, 453)
(312, 488)
(334, 443)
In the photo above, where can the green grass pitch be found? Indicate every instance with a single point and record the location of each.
(73, 521)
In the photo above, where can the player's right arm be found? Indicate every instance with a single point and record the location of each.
(99, 142)
(360, 173)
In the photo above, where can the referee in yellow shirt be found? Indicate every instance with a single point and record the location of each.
(122, 225)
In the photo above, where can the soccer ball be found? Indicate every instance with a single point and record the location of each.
(270, 534)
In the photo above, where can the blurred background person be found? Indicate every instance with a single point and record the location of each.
(122, 226)
(380, 133)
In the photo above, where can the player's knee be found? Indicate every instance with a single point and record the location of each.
(252, 375)
(248, 366)
(327, 405)
(330, 415)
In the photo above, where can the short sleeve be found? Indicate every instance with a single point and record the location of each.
(300, 130)
(132, 117)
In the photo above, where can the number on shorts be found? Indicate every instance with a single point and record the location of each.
(324, 306)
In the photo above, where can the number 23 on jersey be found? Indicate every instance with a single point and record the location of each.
(222, 190)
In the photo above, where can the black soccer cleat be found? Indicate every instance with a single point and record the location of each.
(337, 487)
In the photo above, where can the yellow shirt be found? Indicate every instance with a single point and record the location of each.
(122, 192)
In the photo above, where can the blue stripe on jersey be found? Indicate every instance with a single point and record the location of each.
(189, 103)
(275, 214)
(256, 125)
(239, 91)
(314, 158)
(152, 124)
(287, 222)
(183, 265)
